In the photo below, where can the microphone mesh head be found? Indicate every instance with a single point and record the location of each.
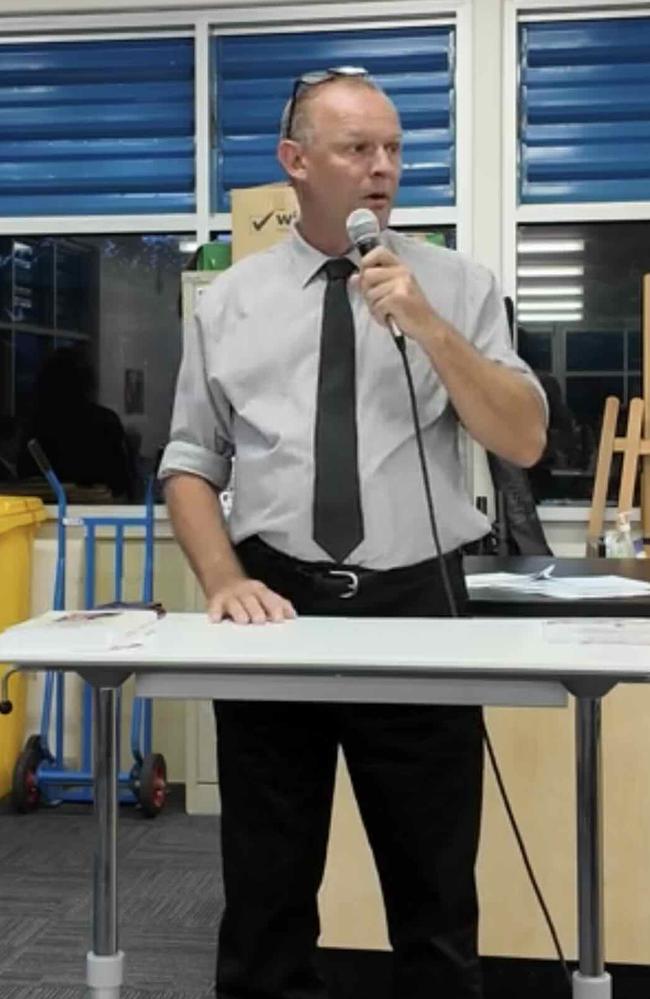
(362, 225)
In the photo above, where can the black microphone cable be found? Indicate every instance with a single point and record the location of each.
(363, 229)
(400, 343)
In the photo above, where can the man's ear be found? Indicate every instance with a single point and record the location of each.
(290, 155)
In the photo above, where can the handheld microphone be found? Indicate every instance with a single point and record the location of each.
(363, 230)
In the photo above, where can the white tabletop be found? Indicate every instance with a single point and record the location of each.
(416, 647)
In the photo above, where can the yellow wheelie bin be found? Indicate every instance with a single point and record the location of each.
(19, 520)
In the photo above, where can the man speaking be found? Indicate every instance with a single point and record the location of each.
(294, 369)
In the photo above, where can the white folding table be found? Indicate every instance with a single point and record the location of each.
(366, 660)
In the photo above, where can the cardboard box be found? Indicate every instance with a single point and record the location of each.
(261, 216)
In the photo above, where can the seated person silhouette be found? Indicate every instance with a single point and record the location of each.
(84, 442)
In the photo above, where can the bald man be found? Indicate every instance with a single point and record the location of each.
(292, 369)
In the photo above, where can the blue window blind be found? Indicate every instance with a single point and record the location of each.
(91, 128)
(584, 108)
(254, 75)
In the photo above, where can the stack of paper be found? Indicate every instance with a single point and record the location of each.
(598, 631)
(58, 632)
(560, 587)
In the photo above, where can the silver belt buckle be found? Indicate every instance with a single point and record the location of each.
(353, 582)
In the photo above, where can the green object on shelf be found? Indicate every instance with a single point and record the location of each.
(215, 257)
(438, 238)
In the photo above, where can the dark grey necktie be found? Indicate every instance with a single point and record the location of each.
(338, 521)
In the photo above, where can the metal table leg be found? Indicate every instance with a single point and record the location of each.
(104, 964)
(591, 981)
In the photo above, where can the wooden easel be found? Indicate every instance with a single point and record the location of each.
(634, 446)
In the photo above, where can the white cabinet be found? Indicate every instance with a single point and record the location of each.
(201, 788)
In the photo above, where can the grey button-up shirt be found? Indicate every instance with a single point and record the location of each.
(247, 388)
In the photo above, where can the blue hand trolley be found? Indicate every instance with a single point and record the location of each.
(40, 775)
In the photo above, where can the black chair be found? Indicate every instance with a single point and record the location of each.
(518, 528)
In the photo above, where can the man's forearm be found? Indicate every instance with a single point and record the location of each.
(200, 529)
(497, 406)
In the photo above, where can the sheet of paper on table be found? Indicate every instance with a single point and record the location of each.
(79, 631)
(597, 631)
(560, 587)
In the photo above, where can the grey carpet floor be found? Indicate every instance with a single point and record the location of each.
(170, 901)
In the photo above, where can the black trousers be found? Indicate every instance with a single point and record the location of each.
(417, 777)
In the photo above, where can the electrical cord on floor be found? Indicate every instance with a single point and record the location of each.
(400, 343)
(524, 855)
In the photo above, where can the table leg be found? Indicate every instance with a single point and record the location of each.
(591, 981)
(104, 964)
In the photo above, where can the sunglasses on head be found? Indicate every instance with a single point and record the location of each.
(312, 79)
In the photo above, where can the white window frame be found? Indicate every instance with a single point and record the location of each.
(202, 24)
(515, 12)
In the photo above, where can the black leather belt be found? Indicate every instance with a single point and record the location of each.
(342, 581)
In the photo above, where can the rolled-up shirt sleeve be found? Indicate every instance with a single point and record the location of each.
(200, 440)
(489, 331)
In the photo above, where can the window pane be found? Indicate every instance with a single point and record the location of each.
(634, 349)
(24, 268)
(584, 103)
(536, 348)
(30, 353)
(6, 374)
(634, 387)
(587, 396)
(97, 127)
(578, 322)
(8, 424)
(92, 371)
(595, 351)
(253, 79)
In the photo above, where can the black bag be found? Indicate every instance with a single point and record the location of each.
(518, 527)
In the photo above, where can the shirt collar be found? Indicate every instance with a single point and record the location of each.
(309, 260)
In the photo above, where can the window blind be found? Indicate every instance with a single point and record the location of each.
(253, 79)
(584, 111)
(97, 127)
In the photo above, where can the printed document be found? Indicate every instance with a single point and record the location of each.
(79, 631)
